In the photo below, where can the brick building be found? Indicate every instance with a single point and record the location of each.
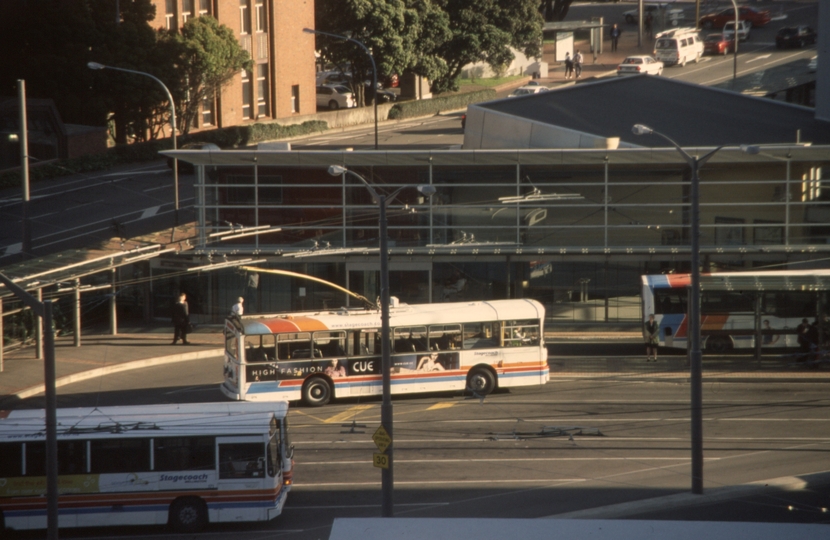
(281, 84)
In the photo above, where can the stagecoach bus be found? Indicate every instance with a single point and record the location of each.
(182, 465)
(732, 303)
(317, 356)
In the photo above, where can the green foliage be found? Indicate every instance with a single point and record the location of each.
(555, 10)
(484, 31)
(206, 56)
(424, 107)
(148, 151)
(495, 81)
(49, 42)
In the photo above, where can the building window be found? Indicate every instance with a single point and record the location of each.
(295, 98)
(244, 17)
(246, 95)
(204, 7)
(207, 111)
(261, 20)
(187, 10)
(170, 14)
(262, 89)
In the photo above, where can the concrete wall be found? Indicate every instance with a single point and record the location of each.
(342, 117)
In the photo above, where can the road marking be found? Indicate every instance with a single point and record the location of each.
(12, 249)
(443, 405)
(150, 212)
(501, 460)
(759, 58)
(348, 414)
(447, 482)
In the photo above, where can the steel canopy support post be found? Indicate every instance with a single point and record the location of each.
(695, 354)
(44, 311)
(387, 477)
(51, 426)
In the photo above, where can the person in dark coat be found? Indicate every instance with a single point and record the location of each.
(615, 36)
(650, 333)
(181, 320)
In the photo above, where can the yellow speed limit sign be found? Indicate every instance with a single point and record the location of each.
(380, 460)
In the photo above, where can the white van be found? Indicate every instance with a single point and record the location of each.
(678, 46)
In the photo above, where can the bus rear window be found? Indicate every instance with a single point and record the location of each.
(666, 44)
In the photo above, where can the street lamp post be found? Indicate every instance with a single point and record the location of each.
(695, 354)
(374, 72)
(96, 65)
(386, 421)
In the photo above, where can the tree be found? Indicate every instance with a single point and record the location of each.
(485, 31)
(381, 25)
(49, 42)
(555, 10)
(198, 62)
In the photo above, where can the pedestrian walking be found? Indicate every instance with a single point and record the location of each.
(569, 65)
(238, 309)
(615, 36)
(648, 22)
(650, 332)
(577, 64)
(181, 320)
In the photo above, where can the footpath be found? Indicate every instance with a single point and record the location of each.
(137, 348)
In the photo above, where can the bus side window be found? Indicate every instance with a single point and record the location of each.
(241, 460)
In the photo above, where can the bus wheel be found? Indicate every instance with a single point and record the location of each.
(316, 392)
(188, 515)
(481, 381)
(718, 344)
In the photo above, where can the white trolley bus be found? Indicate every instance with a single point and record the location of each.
(736, 307)
(182, 465)
(316, 356)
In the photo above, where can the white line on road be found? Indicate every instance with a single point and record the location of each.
(398, 461)
(488, 481)
(759, 58)
(150, 212)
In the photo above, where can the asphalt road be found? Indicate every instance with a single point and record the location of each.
(503, 457)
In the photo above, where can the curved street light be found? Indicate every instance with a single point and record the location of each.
(96, 66)
(386, 421)
(374, 72)
(695, 354)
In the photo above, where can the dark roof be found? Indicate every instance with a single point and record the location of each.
(691, 114)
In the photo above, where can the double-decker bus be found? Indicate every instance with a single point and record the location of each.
(182, 465)
(317, 356)
(736, 307)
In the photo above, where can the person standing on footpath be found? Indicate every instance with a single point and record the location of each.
(577, 64)
(181, 320)
(652, 339)
(615, 36)
(648, 22)
(569, 65)
(238, 309)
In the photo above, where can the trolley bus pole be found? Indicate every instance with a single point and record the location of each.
(695, 354)
(386, 417)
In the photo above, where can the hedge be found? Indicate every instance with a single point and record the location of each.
(147, 151)
(425, 107)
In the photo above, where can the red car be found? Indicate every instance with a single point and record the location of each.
(717, 44)
(717, 20)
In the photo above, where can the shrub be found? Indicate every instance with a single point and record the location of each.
(425, 107)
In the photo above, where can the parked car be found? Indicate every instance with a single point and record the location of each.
(636, 65)
(753, 16)
(332, 77)
(335, 97)
(717, 44)
(528, 90)
(390, 81)
(795, 36)
(384, 96)
(743, 30)
(184, 166)
(673, 15)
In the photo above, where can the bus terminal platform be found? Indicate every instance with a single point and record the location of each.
(135, 348)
